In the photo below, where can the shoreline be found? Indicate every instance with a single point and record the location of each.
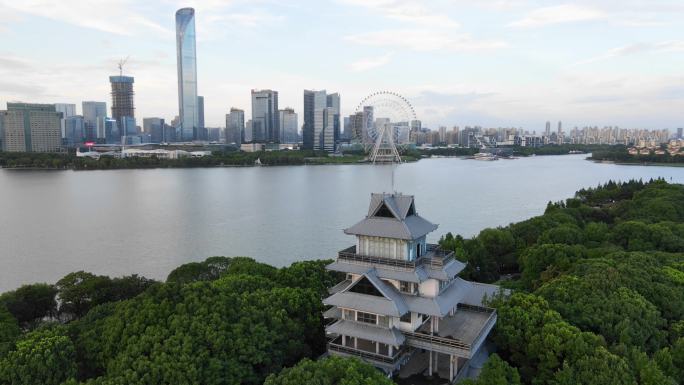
(649, 164)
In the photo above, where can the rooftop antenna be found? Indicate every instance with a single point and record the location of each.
(121, 64)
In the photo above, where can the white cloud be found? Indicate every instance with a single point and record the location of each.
(369, 63)
(564, 13)
(112, 16)
(424, 40)
(409, 11)
(637, 48)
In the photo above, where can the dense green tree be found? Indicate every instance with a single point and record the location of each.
(496, 372)
(599, 368)
(45, 356)
(31, 302)
(308, 275)
(9, 330)
(565, 233)
(543, 262)
(619, 314)
(81, 291)
(329, 371)
(208, 270)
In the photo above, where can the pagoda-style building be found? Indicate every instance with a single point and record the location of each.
(402, 298)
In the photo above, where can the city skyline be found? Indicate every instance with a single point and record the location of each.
(521, 64)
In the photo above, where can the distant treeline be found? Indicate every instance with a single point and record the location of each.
(562, 149)
(228, 158)
(619, 154)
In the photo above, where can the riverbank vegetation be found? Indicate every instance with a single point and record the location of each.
(63, 161)
(562, 149)
(597, 298)
(620, 154)
(69, 161)
(598, 286)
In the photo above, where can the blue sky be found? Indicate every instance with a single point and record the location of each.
(486, 62)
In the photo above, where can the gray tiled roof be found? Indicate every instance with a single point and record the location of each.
(412, 227)
(403, 226)
(478, 291)
(368, 332)
(442, 304)
(391, 304)
(446, 272)
(399, 204)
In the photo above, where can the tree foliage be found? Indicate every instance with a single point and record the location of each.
(329, 371)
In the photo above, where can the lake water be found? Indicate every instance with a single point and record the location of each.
(150, 221)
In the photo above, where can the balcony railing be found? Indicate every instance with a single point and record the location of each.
(336, 346)
(435, 257)
(451, 342)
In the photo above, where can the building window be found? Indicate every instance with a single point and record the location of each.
(383, 321)
(406, 287)
(349, 314)
(406, 318)
(366, 318)
(383, 349)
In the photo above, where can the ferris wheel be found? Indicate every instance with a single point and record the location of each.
(382, 124)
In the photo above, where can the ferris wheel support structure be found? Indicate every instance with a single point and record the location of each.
(385, 149)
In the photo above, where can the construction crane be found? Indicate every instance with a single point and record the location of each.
(121, 64)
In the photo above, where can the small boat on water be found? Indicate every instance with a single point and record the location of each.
(485, 156)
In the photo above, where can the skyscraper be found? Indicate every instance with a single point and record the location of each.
(333, 101)
(201, 129)
(308, 127)
(288, 126)
(93, 118)
(265, 119)
(547, 132)
(74, 130)
(680, 133)
(235, 125)
(317, 123)
(122, 98)
(31, 128)
(67, 110)
(186, 56)
(154, 127)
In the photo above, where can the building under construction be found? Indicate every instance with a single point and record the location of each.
(122, 98)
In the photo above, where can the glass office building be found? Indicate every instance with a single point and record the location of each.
(187, 74)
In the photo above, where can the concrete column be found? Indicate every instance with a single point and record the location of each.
(437, 324)
(455, 365)
(390, 349)
(377, 348)
(430, 364)
(344, 340)
(451, 367)
(356, 343)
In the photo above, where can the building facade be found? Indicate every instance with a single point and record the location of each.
(402, 299)
(288, 126)
(155, 128)
(265, 117)
(67, 110)
(94, 114)
(186, 57)
(235, 126)
(31, 128)
(321, 129)
(74, 131)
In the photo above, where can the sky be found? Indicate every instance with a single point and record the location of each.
(493, 63)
